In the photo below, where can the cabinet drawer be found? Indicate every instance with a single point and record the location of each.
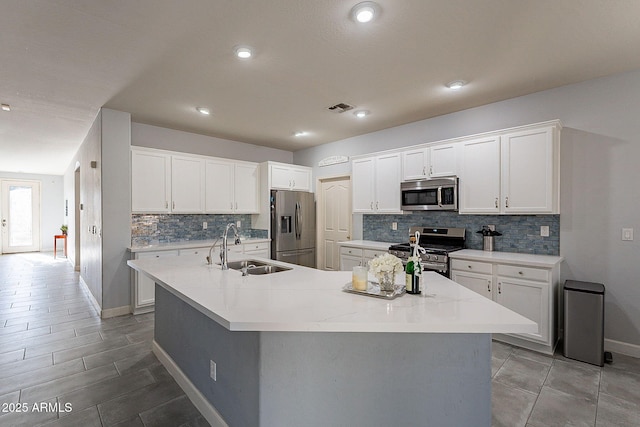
(346, 250)
(159, 254)
(372, 253)
(474, 266)
(254, 247)
(529, 273)
(194, 251)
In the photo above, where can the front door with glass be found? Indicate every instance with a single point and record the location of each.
(20, 216)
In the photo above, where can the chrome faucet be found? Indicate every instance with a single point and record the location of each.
(223, 252)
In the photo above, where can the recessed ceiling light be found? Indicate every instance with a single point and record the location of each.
(243, 52)
(6, 107)
(361, 113)
(203, 110)
(300, 133)
(365, 12)
(456, 84)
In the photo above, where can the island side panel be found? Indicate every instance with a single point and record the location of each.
(192, 339)
(375, 379)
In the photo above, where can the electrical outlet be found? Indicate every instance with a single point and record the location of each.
(544, 230)
(394, 226)
(204, 225)
(212, 370)
(238, 224)
(627, 234)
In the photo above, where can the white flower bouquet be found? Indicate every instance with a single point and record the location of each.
(385, 267)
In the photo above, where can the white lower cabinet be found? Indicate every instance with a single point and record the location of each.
(144, 289)
(529, 291)
(351, 256)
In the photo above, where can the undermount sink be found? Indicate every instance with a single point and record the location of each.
(254, 267)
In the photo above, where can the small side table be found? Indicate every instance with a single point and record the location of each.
(55, 241)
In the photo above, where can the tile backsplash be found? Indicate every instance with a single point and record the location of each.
(164, 228)
(520, 233)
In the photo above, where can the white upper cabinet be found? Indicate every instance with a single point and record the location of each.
(443, 160)
(376, 184)
(530, 171)
(246, 187)
(479, 186)
(231, 187)
(150, 181)
(415, 164)
(289, 177)
(512, 173)
(430, 162)
(187, 184)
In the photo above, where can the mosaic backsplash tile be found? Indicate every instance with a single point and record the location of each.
(164, 228)
(520, 233)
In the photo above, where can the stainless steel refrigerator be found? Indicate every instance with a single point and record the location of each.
(293, 227)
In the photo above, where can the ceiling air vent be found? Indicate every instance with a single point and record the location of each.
(340, 108)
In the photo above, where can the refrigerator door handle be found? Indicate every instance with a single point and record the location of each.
(297, 220)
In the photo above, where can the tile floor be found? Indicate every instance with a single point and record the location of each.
(55, 350)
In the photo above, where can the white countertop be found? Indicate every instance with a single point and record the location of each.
(306, 299)
(546, 261)
(366, 244)
(187, 245)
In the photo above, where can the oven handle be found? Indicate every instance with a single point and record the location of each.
(440, 196)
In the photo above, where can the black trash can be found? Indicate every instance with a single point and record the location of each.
(584, 321)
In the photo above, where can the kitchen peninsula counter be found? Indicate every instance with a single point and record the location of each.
(292, 349)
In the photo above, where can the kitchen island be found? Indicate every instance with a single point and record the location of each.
(292, 349)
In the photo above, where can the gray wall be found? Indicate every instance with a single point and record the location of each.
(599, 175)
(185, 142)
(116, 208)
(51, 204)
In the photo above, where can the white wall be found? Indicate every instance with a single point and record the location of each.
(51, 204)
(600, 153)
(185, 142)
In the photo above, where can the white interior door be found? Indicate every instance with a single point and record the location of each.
(334, 220)
(20, 216)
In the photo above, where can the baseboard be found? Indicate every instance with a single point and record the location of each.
(625, 348)
(207, 410)
(116, 311)
(93, 300)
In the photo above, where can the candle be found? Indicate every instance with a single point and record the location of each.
(359, 278)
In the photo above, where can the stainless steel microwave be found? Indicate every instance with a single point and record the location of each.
(430, 194)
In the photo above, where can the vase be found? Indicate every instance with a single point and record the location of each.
(386, 280)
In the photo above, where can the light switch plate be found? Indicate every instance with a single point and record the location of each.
(238, 223)
(627, 234)
(394, 226)
(204, 225)
(544, 230)
(212, 370)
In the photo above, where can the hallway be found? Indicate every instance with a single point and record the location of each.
(61, 365)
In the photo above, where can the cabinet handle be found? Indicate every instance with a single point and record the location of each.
(166, 205)
(376, 205)
(499, 287)
(520, 273)
(231, 205)
(469, 267)
(173, 205)
(430, 170)
(294, 183)
(371, 205)
(506, 202)
(424, 170)
(496, 202)
(236, 205)
(488, 285)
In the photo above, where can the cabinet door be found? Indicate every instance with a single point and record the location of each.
(479, 283)
(387, 178)
(363, 180)
(528, 171)
(187, 185)
(280, 177)
(219, 184)
(145, 292)
(529, 299)
(150, 182)
(300, 179)
(347, 262)
(415, 164)
(443, 160)
(246, 188)
(480, 176)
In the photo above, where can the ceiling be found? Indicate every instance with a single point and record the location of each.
(61, 60)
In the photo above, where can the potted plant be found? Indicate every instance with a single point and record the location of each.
(64, 229)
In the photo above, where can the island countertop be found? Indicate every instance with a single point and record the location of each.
(306, 299)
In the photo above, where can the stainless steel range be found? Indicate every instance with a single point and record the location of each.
(437, 242)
